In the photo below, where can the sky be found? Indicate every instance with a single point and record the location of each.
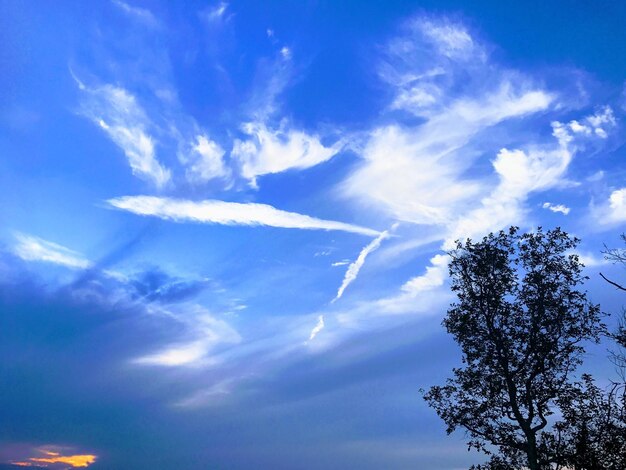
(224, 225)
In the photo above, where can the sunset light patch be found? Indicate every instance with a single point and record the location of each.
(46, 458)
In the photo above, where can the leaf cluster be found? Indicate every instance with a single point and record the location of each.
(521, 321)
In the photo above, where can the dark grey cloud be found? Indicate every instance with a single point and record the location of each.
(154, 285)
(67, 380)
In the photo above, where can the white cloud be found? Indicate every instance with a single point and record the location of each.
(228, 213)
(521, 172)
(285, 52)
(613, 211)
(440, 73)
(118, 114)
(32, 248)
(178, 355)
(617, 202)
(204, 161)
(451, 39)
(531, 170)
(425, 62)
(213, 395)
(343, 262)
(556, 208)
(141, 14)
(422, 294)
(271, 144)
(424, 173)
(419, 173)
(601, 121)
(274, 151)
(592, 261)
(216, 12)
(597, 176)
(325, 252)
(434, 276)
(318, 327)
(209, 332)
(354, 268)
(597, 125)
(416, 174)
(419, 294)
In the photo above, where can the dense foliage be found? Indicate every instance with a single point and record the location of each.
(521, 321)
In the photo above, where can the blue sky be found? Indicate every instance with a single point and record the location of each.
(223, 225)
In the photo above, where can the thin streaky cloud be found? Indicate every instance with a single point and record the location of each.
(119, 115)
(211, 396)
(228, 213)
(31, 248)
(213, 127)
(208, 333)
(216, 12)
(354, 268)
(142, 14)
(318, 327)
(437, 71)
(521, 172)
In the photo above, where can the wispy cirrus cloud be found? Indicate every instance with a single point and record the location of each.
(319, 326)
(117, 112)
(228, 213)
(355, 267)
(267, 142)
(215, 12)
(418, 289)
(437, 71)
(521, 172)
(272, 143)
(274, 151)
(207, 333)
(204, 161)
(143, 15)
(31, 248)
(418, 172)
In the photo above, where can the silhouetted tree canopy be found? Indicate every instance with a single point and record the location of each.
(618, 255)
(521, 321)
(591, 434)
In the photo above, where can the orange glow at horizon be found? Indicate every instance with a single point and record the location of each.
(75, 461)
(49, 452)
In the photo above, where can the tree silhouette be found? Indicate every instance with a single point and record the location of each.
(591, 434)
(618, 255)
(521, 322)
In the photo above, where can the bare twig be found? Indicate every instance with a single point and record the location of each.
(613, 283)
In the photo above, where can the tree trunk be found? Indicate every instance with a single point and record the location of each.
(533, 463)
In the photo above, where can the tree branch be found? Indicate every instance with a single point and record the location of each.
(613, 283)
